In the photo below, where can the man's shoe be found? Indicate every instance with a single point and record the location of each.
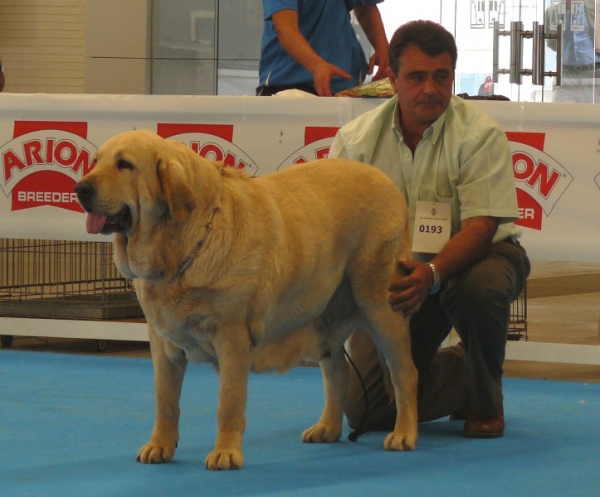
(484, 427)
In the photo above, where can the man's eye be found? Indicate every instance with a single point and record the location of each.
(123, 164)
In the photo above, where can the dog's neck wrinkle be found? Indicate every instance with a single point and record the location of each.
(210, 206)
(196, 249)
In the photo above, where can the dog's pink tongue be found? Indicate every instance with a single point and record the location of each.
(94, 223)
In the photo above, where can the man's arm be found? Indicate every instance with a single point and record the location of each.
(285, 23)
(469, 245)
(370, 20)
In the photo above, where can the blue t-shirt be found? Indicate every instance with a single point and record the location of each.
(326, 26)
(578, 39)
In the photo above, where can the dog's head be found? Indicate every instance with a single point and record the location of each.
(139, 188)
(134, 172)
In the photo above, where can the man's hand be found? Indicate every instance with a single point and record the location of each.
(369, 18)
(407, 293)
(322, 75)
(293, 42)
(381, 62)
(470, 244)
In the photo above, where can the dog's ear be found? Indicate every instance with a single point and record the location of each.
(180, 198)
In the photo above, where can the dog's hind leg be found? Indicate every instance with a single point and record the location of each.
(170, 365)
(390, 333)
(335, 381)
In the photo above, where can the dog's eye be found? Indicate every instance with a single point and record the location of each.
(123, 164)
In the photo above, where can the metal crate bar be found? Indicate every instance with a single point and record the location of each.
(517, 324)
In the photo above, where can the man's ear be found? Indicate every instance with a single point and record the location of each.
(392, 77)
(180, 198)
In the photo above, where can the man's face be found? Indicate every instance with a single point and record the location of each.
(423, 85)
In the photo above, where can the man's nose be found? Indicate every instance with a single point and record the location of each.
(429, 85)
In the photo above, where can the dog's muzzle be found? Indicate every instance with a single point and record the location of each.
(97, 222)
(85, 195)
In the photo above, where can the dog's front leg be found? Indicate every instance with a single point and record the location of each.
(170, 365)
(335, 381)
(234, 356)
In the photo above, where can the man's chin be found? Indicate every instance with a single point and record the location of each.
(430, 112)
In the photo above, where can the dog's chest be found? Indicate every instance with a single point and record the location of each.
(179, 316)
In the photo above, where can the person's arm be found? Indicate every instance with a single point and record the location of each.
(469, 245)
(285, 23)
(370, 21)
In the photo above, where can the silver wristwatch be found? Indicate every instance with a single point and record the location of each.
(435, 288)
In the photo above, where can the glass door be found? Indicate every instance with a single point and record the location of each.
(479, 22)
(511, 48)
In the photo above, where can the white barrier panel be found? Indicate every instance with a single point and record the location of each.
(131, 331)
(47, 142)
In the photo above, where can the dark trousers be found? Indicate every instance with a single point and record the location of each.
(476, 303)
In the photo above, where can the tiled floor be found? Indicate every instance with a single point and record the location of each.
(563, 306)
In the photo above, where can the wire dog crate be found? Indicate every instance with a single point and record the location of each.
(63, 280)
(517, 324)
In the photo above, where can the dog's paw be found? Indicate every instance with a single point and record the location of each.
(321, 433)
(224, 459)
(153, 453)
(400, 441)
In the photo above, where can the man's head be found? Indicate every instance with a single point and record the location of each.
(429, 37)
(422, 59)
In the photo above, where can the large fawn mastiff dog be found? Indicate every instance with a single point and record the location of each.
(253, 275)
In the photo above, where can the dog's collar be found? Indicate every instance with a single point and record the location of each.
(188, 260)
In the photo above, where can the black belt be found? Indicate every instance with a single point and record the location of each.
(267, 91)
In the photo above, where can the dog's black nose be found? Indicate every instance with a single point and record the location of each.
(84, 191)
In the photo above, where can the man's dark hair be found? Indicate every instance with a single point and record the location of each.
(429, 37)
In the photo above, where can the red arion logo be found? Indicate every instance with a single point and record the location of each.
(42, 163)
(540, 179)
(211, 141)
(317, 142)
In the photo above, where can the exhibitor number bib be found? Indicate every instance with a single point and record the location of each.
(432, 227)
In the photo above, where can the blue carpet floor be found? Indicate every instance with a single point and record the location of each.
(71, 426)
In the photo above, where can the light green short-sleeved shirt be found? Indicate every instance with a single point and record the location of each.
(464, 158)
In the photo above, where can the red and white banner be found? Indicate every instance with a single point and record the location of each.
(47, 143)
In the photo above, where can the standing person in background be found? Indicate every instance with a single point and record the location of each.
(581, 49)
(487, 88)
(1, 76)
(453, 163)
(311, 45)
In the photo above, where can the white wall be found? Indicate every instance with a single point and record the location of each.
(397, 12)
(117, 46)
